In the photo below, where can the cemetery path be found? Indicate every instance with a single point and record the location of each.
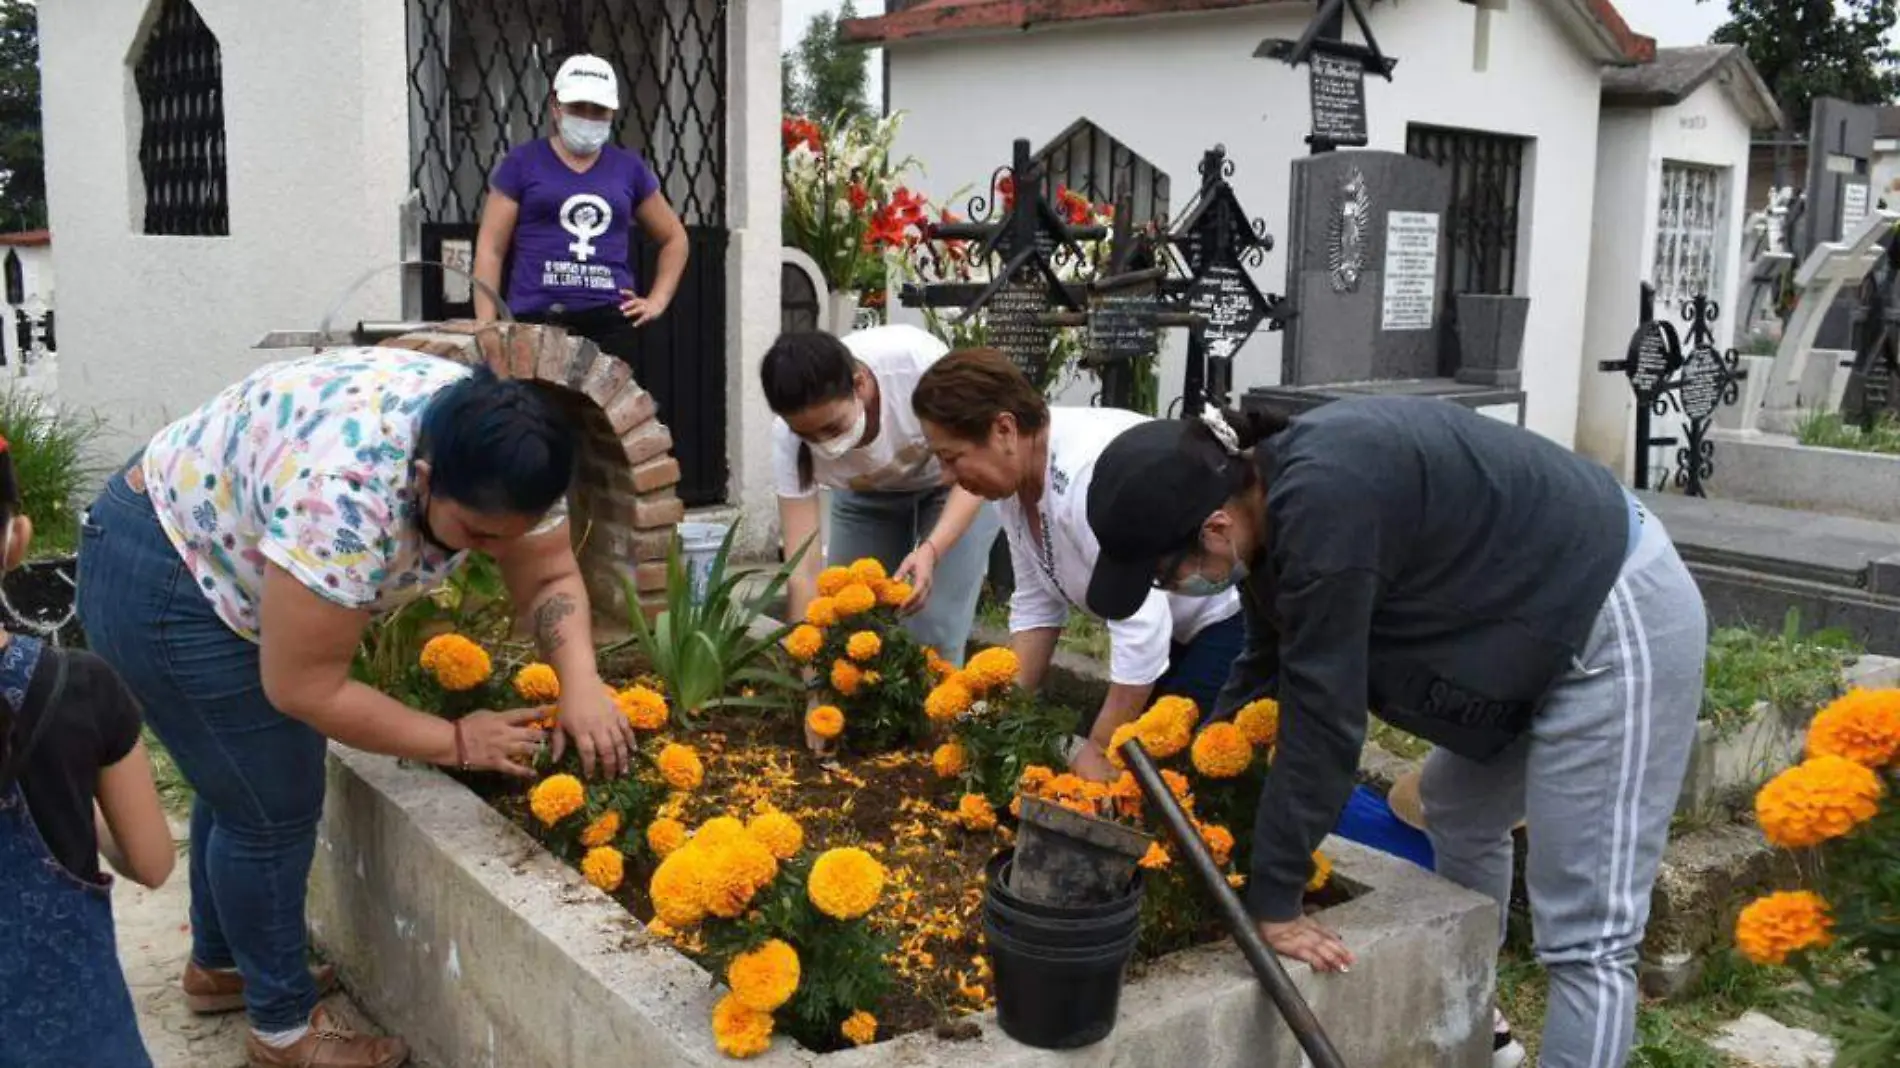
(154, 940)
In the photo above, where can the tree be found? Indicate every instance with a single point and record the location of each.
(22, 163)
(822, 76)
(1813, 48)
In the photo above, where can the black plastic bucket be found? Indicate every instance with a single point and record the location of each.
(1060, 934)
(997, 874)
(1052, 998)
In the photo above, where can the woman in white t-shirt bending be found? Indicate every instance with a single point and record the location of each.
(845, 424)
(997, 437)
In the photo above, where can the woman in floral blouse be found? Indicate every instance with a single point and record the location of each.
(229, 572)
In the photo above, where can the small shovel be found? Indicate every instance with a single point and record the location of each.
(1266, 965)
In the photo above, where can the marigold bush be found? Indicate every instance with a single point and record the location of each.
(537, 684)
(680, 767)
(555, 798)
(455, 662)
(1838, 803)
(604, 866)
(868, 667)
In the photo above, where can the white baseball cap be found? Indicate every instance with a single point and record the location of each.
(587, 79)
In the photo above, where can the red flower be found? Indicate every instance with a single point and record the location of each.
(910, 207)
(886, 230)
(858, 195)
(1073, 205)
(1006, 186)
(799, 130)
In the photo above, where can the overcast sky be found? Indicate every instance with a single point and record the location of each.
(1671, 22)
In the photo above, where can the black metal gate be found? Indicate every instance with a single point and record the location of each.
(479, 73)
(1481, 225)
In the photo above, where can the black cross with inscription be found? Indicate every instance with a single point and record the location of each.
(1651, 361)
(1709, 378)
(1217, 240)
(1338, 69)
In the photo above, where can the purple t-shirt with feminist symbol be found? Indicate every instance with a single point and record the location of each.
(572, 232)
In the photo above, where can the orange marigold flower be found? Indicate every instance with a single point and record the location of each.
(604, 867)
(644, 708)
(821, 612)
(604, 829)
(940, 668)
(950, 760)
(947, 701)
(868, 570)
(859, 1028)
(854, 600)
(1259, 721)
(1035, 777)
(1127, 796)
(735, 871)
(833, 579)
(678, 889)
(1067, 784)
(456, 663)
(991, 669)
(1862, 726)
(1221, 751)
(975, 814)
(764, 978)
(777, 832)
(718, 829)
(1116, 741)
(680, 767)
(1178, 786)
(864, 645)
(1163, 732)
(555, 798)
(1220, 842)
(1156, 858)
(740, 1032)
(804, 642)
(826, 721)
(845, 677)
(1180, 711)
(845, 883)
(665, 835)
(1773, 927)
(1322, 872)
(895, 594)
(538, 684)
(1821, 798)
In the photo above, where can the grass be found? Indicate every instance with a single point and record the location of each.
(1083, 634)
(1668, 1035)
(1791, 671)
(173, 791)
(1829, 430)
(53, 461)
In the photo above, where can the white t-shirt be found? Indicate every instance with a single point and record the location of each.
(1053, 576)
(898, 460)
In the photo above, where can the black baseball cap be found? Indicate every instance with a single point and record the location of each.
(1153, 487)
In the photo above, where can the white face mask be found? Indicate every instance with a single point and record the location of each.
(835, 448)
(584, 137)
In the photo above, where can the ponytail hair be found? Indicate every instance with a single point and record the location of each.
(1234, 434)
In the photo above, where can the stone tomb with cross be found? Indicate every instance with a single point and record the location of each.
(1801, 379)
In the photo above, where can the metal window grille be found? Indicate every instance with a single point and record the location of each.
(180, 80)
(479, 74)
(1688, 232)
(479, 78)
(798, 301)
(1086, 159)
(1487, 177)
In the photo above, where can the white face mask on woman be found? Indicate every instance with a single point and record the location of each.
(835, 448)
(584, 137)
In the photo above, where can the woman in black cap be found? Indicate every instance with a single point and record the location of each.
(1474, 584)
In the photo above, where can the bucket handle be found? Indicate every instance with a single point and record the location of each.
(501, 306)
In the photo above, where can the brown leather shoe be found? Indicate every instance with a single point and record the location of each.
(328, 1045)
(208, 993)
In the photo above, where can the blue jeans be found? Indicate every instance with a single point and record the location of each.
(259, 775)
(887, 526)
(1198, 669)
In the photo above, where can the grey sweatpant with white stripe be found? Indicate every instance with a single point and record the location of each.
(1596, 781)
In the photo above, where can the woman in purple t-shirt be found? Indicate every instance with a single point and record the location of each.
(560, 211)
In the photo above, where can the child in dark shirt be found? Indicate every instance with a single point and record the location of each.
(75, 781)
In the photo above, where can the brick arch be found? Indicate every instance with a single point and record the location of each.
(624, 504)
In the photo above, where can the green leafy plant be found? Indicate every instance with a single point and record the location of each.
(1792, 671)
(53, 461)
(1828, 430)
(1006, 733)
(705, 648)
(472, 602)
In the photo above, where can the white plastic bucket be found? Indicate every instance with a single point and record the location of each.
(699, 545)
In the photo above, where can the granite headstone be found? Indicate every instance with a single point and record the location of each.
(1366, 259)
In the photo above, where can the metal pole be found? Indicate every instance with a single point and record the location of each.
(1266, 966)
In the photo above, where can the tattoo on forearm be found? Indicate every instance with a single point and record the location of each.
(547, 621)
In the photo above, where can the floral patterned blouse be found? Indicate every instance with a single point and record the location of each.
(305, 464)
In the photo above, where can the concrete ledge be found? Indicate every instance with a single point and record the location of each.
(460, 933)
(1780, 471)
